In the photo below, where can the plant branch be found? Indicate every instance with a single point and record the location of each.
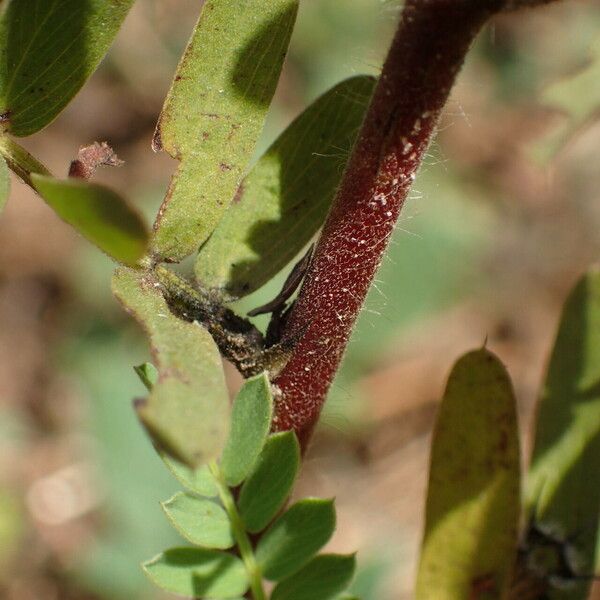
(427, 52)
(241, 537)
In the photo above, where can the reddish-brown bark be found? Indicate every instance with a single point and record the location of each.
(426, 54)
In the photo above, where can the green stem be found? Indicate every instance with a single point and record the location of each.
(240, 535)
(20, 161)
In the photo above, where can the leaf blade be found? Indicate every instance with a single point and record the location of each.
(295, 537)
(99, 214)
(195, 572)
(268, 486)
(321, 579)
(61, 42)
(250, 422)
(284, 199)
(215, 112)
(187, 412)
(562, 491)
(200, 521)
(200, 481)
(473, 501)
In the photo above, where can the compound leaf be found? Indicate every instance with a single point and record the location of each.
(282, 203)
(203, 522)
(322, 578)
(270, 483)
(473, 501)
(563, 491)
(215, 112)
(250, 423)
(48, 49)
(187, 412)
(99, 214)
(295, 537)
(198, 573)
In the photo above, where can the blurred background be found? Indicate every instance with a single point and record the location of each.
(503, 218)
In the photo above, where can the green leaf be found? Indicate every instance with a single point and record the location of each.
(198, 573)
(250, 423)
(577, 98)
(270, 483)
(322, 578)
(203, 522)
(4, 183)
(148, 375)
(284, 200)
(187, 412)
(200, 481)
(563, 485)
(215, 112)
(473, 502)
(99, 214)
(48, 49)
(295, 537)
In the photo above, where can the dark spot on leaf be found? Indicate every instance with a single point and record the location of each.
(225, 167)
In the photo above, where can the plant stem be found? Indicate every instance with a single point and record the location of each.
(427, 52)
(240, 535)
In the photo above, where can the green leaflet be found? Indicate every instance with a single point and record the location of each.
(473, 500)
(268, 486)
(215, 112)
(250, 423)
(201, 521)
(48, 49)
(282, 203)
(578, 98)
(195, 572)
(562, 491)
(99, 214)
(323, 578)
(4, 183)
(199, 481)
(187, 412)
(295, 537)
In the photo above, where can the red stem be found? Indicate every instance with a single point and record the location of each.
(427, 52)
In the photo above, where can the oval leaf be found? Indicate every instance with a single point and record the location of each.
(99, 214)
(187, 412)
(563, 491)
(49, 48)
(250, 423)
(198, 573)
(201, 521)
(215, 112)
(295, 537)
(473, 499)
(284, 200)
(199, 481)
(268, 486)
(4, 183)
(322, 578)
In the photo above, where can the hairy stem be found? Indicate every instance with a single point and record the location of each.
(241, 537)
(427, 52)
